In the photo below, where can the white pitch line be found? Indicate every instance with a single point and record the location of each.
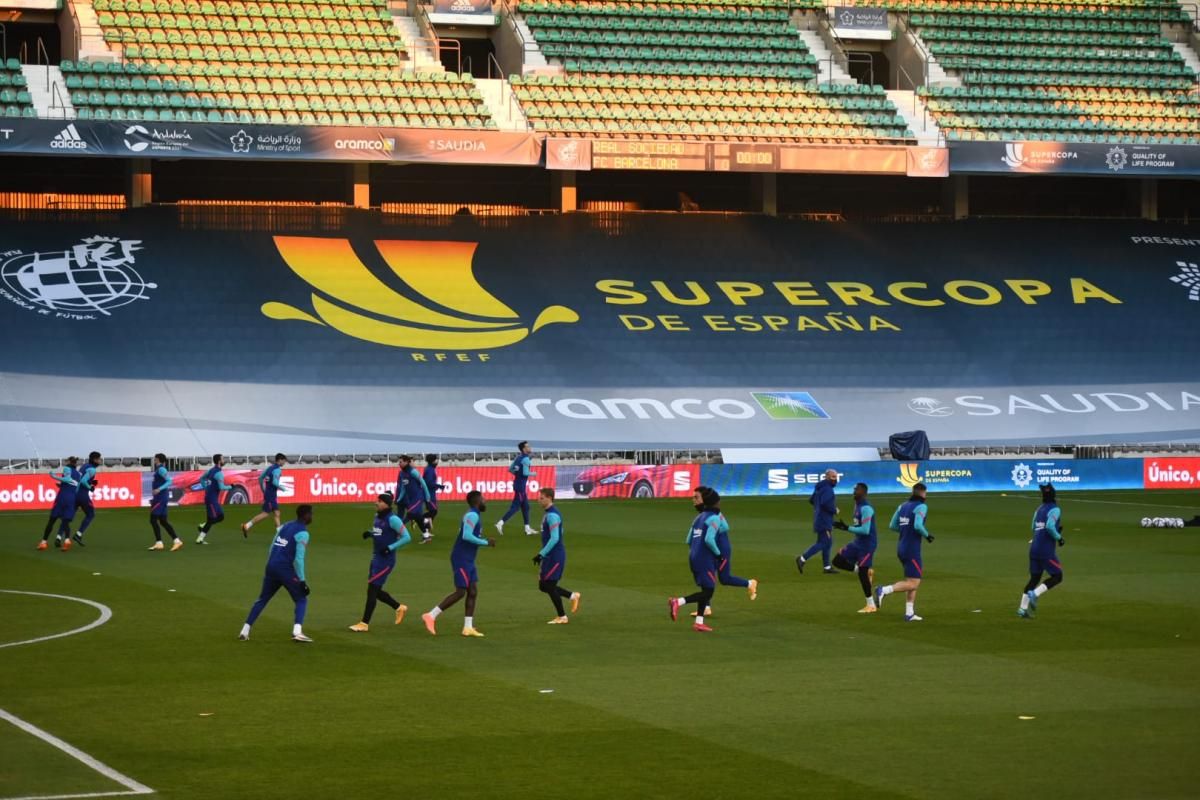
(95, 765)
(1072, 498)
(105, 616)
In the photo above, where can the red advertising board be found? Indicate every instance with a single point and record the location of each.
(37, 492)
(1171, 473)
(364, 484)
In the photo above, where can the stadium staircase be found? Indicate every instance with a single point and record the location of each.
(1188, 55)
(501, 100)
(828, 70)
(920, 121)
(695, 69)
(48, 91)
(1073, 70)
(420, 49)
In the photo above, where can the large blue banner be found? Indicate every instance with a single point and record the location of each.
(1076, 158)
(139, 333)
(898, 477)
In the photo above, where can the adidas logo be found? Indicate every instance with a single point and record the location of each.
(68, 139)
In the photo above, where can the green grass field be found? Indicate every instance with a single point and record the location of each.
(792, 695)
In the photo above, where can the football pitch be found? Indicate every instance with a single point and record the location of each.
(792, 695)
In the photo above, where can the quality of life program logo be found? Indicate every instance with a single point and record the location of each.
(349, 298)
(92, 277)
(1188, 278)
(1022, 475)
(790, 405)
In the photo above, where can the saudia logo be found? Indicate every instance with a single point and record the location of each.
(978, 405)
(452, 311)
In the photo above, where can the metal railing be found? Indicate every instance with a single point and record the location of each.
(77, 29)
(507, 96)
(508, 13)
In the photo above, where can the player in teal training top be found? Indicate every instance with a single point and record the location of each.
(270, 480)
(1043, 553)
(909, 522)
(286, 570)
(462, 566)
(552, 558)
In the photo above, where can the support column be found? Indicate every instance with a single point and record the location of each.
(359, 185)
(567, 188)
(769, 193)
(139, 186)
(1149, 188)
(956, 200)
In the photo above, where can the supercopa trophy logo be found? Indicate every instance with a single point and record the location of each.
(449, 309)
(92, 277)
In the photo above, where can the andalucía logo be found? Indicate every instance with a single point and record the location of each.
(94, 276)
(440, 276)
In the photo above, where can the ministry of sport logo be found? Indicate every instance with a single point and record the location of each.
(1188, 278)
(92, 277)
(448, 310)
(929, 407)
(1021, 475)
(790, 405)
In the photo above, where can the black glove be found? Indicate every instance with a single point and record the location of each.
(1061, 541)
(841, 526)
(368, 534)
(304, 588)
(929, 538)
(537, 559)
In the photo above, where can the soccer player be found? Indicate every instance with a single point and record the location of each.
(725, 561)
(703, 555)
(213, 483)
(388, 535)
(824, 503)
(160, 497)
(1043, 555)
(462, 565)
(83, 495)
(521, 473)
(414, 494)
(268, 481)
(552, 558)
(859, 555)
(432, 486)
(285, 569)
(909, 521)
(63, 510)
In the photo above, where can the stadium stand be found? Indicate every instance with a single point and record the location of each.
(14, 95)
(337, 62)
(707, 70)
(1072, 70)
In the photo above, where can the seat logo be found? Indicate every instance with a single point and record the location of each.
(448, 309)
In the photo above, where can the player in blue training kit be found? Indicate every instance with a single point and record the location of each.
(160, 498)
(462, 565)
(433, 486)
(824, 503)
(521, 472)
(387, 535)
(1043, 552)
(286, 570)
(413, 495)
(552, 558)
(83, 495)
(63, 510)
(703, 555)
(213, 483)
(909, 522)
(859, 555)
(269, 482)
(725, 574)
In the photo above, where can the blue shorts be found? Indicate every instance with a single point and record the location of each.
(861, 556)
(1039, 565)
(381, 569)
(84, 502)
(914, 567)
(464, 574)
(431, 509)
(214, 510)
(705, 577)
(63, 511)
(270, 506)
(158, 509)
(552, 570)
(273, 581)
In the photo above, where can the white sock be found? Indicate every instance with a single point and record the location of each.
(683, 601)
(887, 590)
(1024, 602)
(856, 569)
(908, 609)
(699, 619)
(249, 524)
(803, 560)
(468, 622)
(1041, 590)
(245, 630)
(871, 601)
(296, 630)
(435, 612)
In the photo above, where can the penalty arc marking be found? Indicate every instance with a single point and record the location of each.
(105, 616)
(131, 787)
